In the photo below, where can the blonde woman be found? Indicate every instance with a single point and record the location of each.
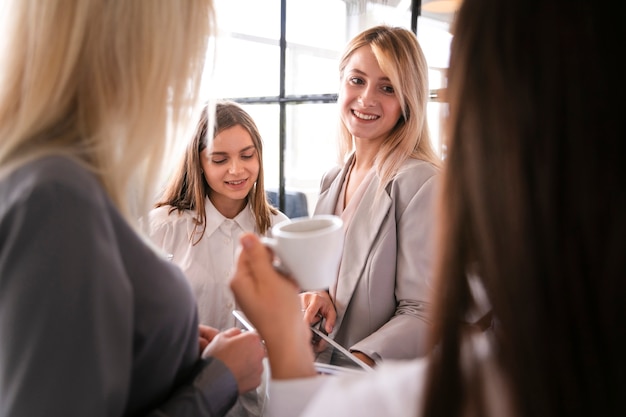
(384, 192)
(94, 322)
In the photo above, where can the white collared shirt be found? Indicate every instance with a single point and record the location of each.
(210, 263)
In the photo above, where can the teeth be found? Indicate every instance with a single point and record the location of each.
(235, 182)
(364, 116)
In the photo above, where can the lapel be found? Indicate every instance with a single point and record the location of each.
(360, 237)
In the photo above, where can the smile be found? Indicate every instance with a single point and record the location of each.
(238, 182)
(364, 116)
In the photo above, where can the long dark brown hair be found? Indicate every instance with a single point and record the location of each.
(534, 204)
(188, 188)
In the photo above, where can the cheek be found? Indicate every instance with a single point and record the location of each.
(213, 178)
(213, 174)
(393, 109)
(254, 169)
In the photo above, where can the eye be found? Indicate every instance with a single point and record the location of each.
(356, 80)
(248, 153)
(388, 89)
(218, 161)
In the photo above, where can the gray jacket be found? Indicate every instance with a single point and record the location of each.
(92, 321)
(384, 283)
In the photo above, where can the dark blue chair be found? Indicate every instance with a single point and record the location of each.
(295, 202)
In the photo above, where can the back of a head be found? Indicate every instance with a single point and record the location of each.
(104, 81)
(534, 198)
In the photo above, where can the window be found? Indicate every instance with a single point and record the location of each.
(279, 59)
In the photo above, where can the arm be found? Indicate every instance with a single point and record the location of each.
(65, 310)
(66, 316)
(271, 302)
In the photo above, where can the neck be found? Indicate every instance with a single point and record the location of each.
(364, 157)
(227, 207)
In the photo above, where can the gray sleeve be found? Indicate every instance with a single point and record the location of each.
(65, 308)
(66, 316)
(213, 392)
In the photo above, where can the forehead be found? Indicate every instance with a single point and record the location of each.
(232, 140)
(363, 60)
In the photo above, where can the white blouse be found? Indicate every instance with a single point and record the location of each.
(394, 388)
(210, 263)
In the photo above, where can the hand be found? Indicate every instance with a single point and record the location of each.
(270, 301)
(207, 333)
(242, 353)
(364, 358)
(316, 306)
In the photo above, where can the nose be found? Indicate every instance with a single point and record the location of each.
(367, 97)
(234, 167)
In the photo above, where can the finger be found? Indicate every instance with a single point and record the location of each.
(233, 331)
(203, 344)
(207, 332)
(331, 319)
(312, 315)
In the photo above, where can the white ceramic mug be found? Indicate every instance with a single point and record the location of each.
(309, 249)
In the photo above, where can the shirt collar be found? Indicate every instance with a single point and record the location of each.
(214, 219)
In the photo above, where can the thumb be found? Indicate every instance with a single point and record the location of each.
(255, 259)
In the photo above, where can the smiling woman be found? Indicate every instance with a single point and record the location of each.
(384, 191)
(216, 195)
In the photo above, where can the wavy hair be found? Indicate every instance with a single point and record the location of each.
(106, 82)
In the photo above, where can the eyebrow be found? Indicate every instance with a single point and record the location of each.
(358, 71)
(247, 148)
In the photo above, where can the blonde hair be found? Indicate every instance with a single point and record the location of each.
(401, 58)
(107, 82)
(188, 188)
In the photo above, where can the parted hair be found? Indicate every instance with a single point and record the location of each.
(400, 58)
(187, 189)
(104, 82)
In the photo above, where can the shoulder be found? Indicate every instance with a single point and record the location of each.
(279, 217)
(168, 217)
(417, 170)
(162, 214)
(329, 176)
(412, 176)
(53, 184)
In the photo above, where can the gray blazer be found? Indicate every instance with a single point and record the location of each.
(384, 283)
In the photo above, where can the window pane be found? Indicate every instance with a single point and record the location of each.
(311, 147)
(247, 59)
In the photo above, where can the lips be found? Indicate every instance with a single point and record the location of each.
(364, 116)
